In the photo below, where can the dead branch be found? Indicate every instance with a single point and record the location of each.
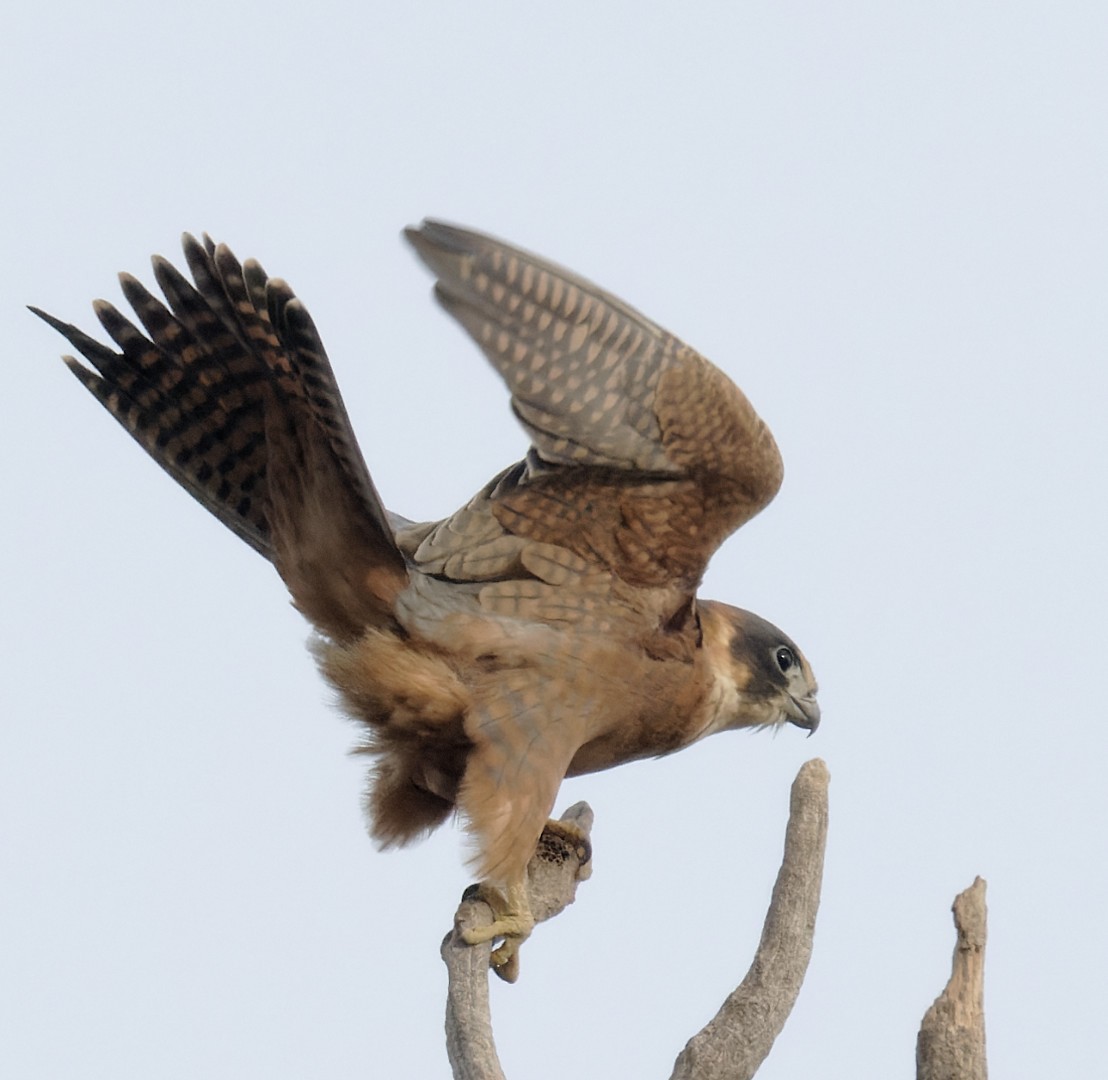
(736, 1041)
(951, 1042)
(552, 878)
(734, 1044)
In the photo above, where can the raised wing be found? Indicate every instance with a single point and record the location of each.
(233, 395)
(645, 456)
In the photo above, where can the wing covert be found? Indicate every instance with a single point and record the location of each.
(646, 456)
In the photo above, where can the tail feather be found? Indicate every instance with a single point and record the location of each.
(230, 391)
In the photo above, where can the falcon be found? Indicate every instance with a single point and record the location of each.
(551, 626)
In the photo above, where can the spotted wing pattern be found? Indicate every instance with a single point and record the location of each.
(644, 455)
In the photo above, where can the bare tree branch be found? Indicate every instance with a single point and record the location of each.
(552, 878)
(736, 1041)
(951, 1042)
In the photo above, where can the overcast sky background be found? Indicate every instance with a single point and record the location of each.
(887, 222)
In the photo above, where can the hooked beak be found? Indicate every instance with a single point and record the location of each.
(804, 712)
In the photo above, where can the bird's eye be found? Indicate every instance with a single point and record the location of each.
(785, 658)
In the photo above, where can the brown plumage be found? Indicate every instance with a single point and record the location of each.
(550, 626)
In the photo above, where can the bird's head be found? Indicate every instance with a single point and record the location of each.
(762, 677)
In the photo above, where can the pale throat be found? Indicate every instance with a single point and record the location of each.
(725, 706)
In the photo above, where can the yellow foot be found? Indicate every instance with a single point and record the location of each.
(512, 921)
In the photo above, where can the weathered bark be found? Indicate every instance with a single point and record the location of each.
(951, 1042)
(552, 878)
(736, 1041)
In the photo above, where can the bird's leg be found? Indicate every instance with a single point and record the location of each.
(513, 917)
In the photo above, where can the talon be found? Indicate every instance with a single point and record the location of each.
(504, 960)
(514, 927)
(512, 922)
(513, 919)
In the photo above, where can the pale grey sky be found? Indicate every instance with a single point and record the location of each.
(887, 222)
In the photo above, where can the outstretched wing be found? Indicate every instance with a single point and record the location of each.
(231, 392)
(645, 456)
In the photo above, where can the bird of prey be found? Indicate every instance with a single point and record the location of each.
(548, 628)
